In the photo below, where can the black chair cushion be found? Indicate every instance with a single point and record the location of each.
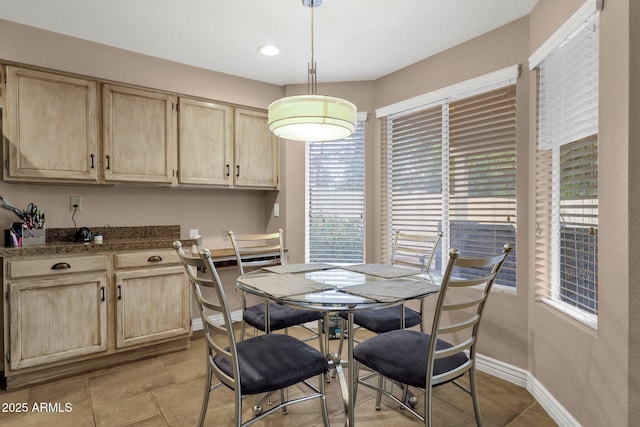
(274, 361)
(384, 319)
(402, 356)
(281, 316)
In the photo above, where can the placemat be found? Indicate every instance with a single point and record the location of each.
(283, 285)
(382, 270)
(391, 290)
(298, 268)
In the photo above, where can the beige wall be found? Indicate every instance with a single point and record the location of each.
(632, 231)
(590, 373)
(46, 49)
(504, 331)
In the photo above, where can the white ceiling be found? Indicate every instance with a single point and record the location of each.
(355, 40)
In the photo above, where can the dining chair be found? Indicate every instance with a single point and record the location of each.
(258, 365)
(417, 359)
(410, 250)
(269, 316)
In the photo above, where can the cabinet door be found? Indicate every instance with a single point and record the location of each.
(139, 135)
(256, 151)
(204, 143)
(50, 127)
(56, 319)
(151, 304)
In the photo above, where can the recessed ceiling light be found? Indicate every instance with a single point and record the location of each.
(268, 50)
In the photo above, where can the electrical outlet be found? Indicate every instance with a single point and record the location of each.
(75, 203)
(193, 233)
(276, 209)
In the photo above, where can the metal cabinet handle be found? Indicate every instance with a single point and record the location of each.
(228, 171)
(108, 162)
(102, 291)
(154, 258)
(92, 165)
(119, 292)
(60, 266)
(237, 171)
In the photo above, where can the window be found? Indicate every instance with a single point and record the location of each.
(335, 200)
(567, 170)
(450, 166)
(482, 175)
(415, 177)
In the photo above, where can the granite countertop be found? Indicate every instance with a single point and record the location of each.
(60, 241)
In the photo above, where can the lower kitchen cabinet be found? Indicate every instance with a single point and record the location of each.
(57, 319)
(151, 304)
(68, 314)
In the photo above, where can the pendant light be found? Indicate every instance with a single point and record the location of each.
(312, 117)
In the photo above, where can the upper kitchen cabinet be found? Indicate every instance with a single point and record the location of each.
(205, 143)
(69, 129)
(139, 135)
(256, 151)
(50, 127)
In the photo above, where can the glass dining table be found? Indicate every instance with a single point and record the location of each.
(334, 288)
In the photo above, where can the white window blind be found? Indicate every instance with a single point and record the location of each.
(415, 186)
(569, 89)
(451, 167)
(335, 200)
(482, 169)
(567, 175)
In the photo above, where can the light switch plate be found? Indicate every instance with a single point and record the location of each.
(193, 233)
(276, 209)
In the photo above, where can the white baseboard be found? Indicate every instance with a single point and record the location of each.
(196, 324)
(525, 379)
(502, 370)
(555, 410)
(491, 366)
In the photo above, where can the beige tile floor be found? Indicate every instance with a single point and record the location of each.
(166, 390)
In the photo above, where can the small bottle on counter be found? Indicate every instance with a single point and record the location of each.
(195, 248)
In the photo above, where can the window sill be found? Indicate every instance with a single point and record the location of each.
(590, 320)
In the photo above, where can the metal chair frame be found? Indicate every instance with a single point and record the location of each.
(412, 251)
(269, 243)
(210, 310)
(464, 313)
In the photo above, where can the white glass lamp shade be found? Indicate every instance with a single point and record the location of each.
(312, 118)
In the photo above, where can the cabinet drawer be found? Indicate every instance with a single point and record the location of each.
(146, 258)
(56, 266)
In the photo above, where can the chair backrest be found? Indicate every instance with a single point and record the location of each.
(264, 249)
(463, 300)
(414, 250)
(210, 309)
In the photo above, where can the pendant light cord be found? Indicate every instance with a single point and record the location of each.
(311, 80)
